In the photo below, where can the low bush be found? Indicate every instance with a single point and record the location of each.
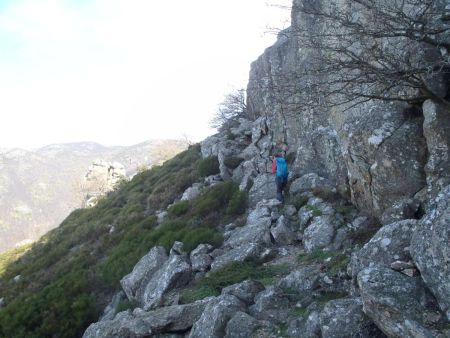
(208, 166)
(238, 203)
(232, 162)
(230, 274)
(178, 209)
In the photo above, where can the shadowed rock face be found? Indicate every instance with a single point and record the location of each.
(431, 250)
(401, 306)
(39, 188)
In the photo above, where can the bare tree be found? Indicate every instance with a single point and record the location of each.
(230, 110)
(364, 49)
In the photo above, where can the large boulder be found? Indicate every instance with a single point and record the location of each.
(253, 251)
(214, 319)
(144, 324)
(134, 283)
(270, 304)
(244, 291)
(264, 187)
(175, 272)
(242, 325)
(391, 243)
(305, 278)
(406, 208)
(320, 233)
(430, 249)
(382, 167)
(344, 318)
(311, 182)
(436, 129)
(399, 305)
(281, 232)
(200, 257)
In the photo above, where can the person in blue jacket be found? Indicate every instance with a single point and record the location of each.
(280, 168)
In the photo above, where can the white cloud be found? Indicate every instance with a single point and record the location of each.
(120, 72)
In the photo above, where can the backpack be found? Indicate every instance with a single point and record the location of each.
(282, 170)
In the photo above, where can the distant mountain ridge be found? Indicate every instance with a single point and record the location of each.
(39, 188)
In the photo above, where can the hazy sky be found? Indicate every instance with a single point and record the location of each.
(120, 72)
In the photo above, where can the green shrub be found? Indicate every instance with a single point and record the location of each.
(195, 236)
(315, 211)
(229, 274)
(178, 209)
(238, 203)
(126, 304)
(325, 297)
(332, 261)
(298, 201)
(215, 198)
(148, 222)
(197, 293)
(208, 166)
(232, 162)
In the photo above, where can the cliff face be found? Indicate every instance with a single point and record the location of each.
(376, 151)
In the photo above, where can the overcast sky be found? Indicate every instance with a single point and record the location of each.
(119, 72)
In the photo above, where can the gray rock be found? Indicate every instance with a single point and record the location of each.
(110, 310)
(261, 212)
(239, 254)
(258, 233)
(244, 127)
(401, 265)
(270, 304)
(160, 216)
(191, 192)
(144, 324)
(2, 302)
(406, 208)
(312, 325)
(436, 129)
(320, 233)
(214, 319)
(290, 210)
(244, 291)
(399, 305)
(390, 243)
(431, 250)
(344, 318)
(264, 187)
(177, 249)
(303, 279)
(382, 167)
(201, 262)
(134, 284)
(282, 234)
(175, 272)
(311, 182)
(202, 249)
(241, 325)
(200, 257)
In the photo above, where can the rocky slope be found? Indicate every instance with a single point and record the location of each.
(376, 267)
(336, 271)
(40, 188)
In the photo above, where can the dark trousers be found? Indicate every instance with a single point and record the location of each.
(281, 184)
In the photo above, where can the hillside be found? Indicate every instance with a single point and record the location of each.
(40, 188)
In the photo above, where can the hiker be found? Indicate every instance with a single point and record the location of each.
(279, 166)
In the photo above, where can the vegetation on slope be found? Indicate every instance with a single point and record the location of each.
(69, 274)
